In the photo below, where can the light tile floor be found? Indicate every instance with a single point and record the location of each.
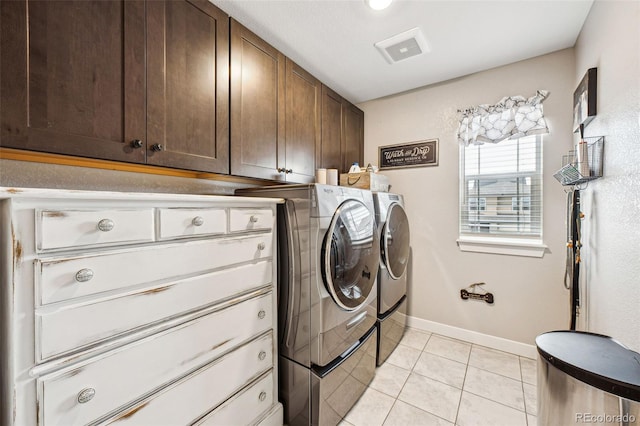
(434, 380)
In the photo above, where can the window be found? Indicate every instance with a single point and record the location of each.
(501, 191)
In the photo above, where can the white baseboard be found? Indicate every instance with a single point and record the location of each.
(506, 345)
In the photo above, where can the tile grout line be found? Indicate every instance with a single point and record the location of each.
(455, 421)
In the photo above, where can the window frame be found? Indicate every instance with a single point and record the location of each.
(518, 244)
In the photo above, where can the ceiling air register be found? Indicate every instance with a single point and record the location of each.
(402, 46)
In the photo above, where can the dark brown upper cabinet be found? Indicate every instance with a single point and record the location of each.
(331, 141)
(257, 106)
(342, 141)
(130, 81)
(187, 85)
(275, 112)
(353, 136)
(302, 124)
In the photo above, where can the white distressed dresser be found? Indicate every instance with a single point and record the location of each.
(137, 309)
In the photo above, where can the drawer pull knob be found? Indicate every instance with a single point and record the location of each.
(198, 221)
(106, 225)
(157, 147)
(84, 275)
(263, 396)
(261, 246)
(262, 314)
(136, 143)
(253, 219)
(262, 355)
(86, 395)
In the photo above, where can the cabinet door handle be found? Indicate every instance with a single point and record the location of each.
(262, 355)
(86, 395)
(198, 221)
(106, 225)
(288, 171)
(84, 275)
(262, 314)
(262, 396)
(136, 143)
(253, 219)
(281, 170)
(261, 246)
(157, 147)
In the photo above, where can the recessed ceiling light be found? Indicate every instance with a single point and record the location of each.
(378, 4)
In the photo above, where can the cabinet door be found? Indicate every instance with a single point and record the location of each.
(302, 124)
(188, 85)
(353, 140)
(257, 106)
(329, 156)
(72, 77)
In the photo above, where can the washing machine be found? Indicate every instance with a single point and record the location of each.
(393, 229)
(328, 260)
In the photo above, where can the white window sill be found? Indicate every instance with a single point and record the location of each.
(507, 246)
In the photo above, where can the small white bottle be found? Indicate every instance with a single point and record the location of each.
(583, 158)
(355, 168)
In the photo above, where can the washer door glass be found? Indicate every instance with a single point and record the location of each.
(350, 255)
(395, 241)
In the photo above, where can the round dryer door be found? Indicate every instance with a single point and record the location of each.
(395, 241)
(350, 255)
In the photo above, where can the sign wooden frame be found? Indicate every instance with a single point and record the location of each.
(414, 154)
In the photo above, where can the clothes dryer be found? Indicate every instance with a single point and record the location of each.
(393, 228)
(328, 259)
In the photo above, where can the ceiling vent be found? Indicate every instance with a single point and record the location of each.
(402, 46)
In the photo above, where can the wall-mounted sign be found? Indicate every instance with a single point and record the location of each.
(414, 154)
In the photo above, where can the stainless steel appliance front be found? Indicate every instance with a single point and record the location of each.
(328, 253)
(393, 227)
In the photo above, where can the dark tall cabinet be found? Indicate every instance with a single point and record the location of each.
(275, 112)
(257, 106)
(134, 81)
(330, 155)
(342, 141)
(353, 139)
(302, 124)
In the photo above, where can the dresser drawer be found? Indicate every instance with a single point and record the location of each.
(244, 408)
(61, 330)
(195, 395)
(94, 389)
(180, 223)
(70, 277)
(241, 220)
(60, 229)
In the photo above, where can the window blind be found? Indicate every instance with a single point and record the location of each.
(501, 189)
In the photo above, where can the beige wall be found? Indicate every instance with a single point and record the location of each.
(610, 40)
(529, 293)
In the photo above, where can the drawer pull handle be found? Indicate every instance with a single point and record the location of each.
(86, 395)
(198, 221)
(261, 246)
(262, 355)
(253, 219)
(263, 396)
(106, 225)
(84, 275)
(262, 314)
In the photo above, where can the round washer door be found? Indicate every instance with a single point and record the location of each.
(350, 255)
(395, 241)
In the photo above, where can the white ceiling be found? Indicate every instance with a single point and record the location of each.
(334, 39)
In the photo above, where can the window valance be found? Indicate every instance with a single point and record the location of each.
(512, 117)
